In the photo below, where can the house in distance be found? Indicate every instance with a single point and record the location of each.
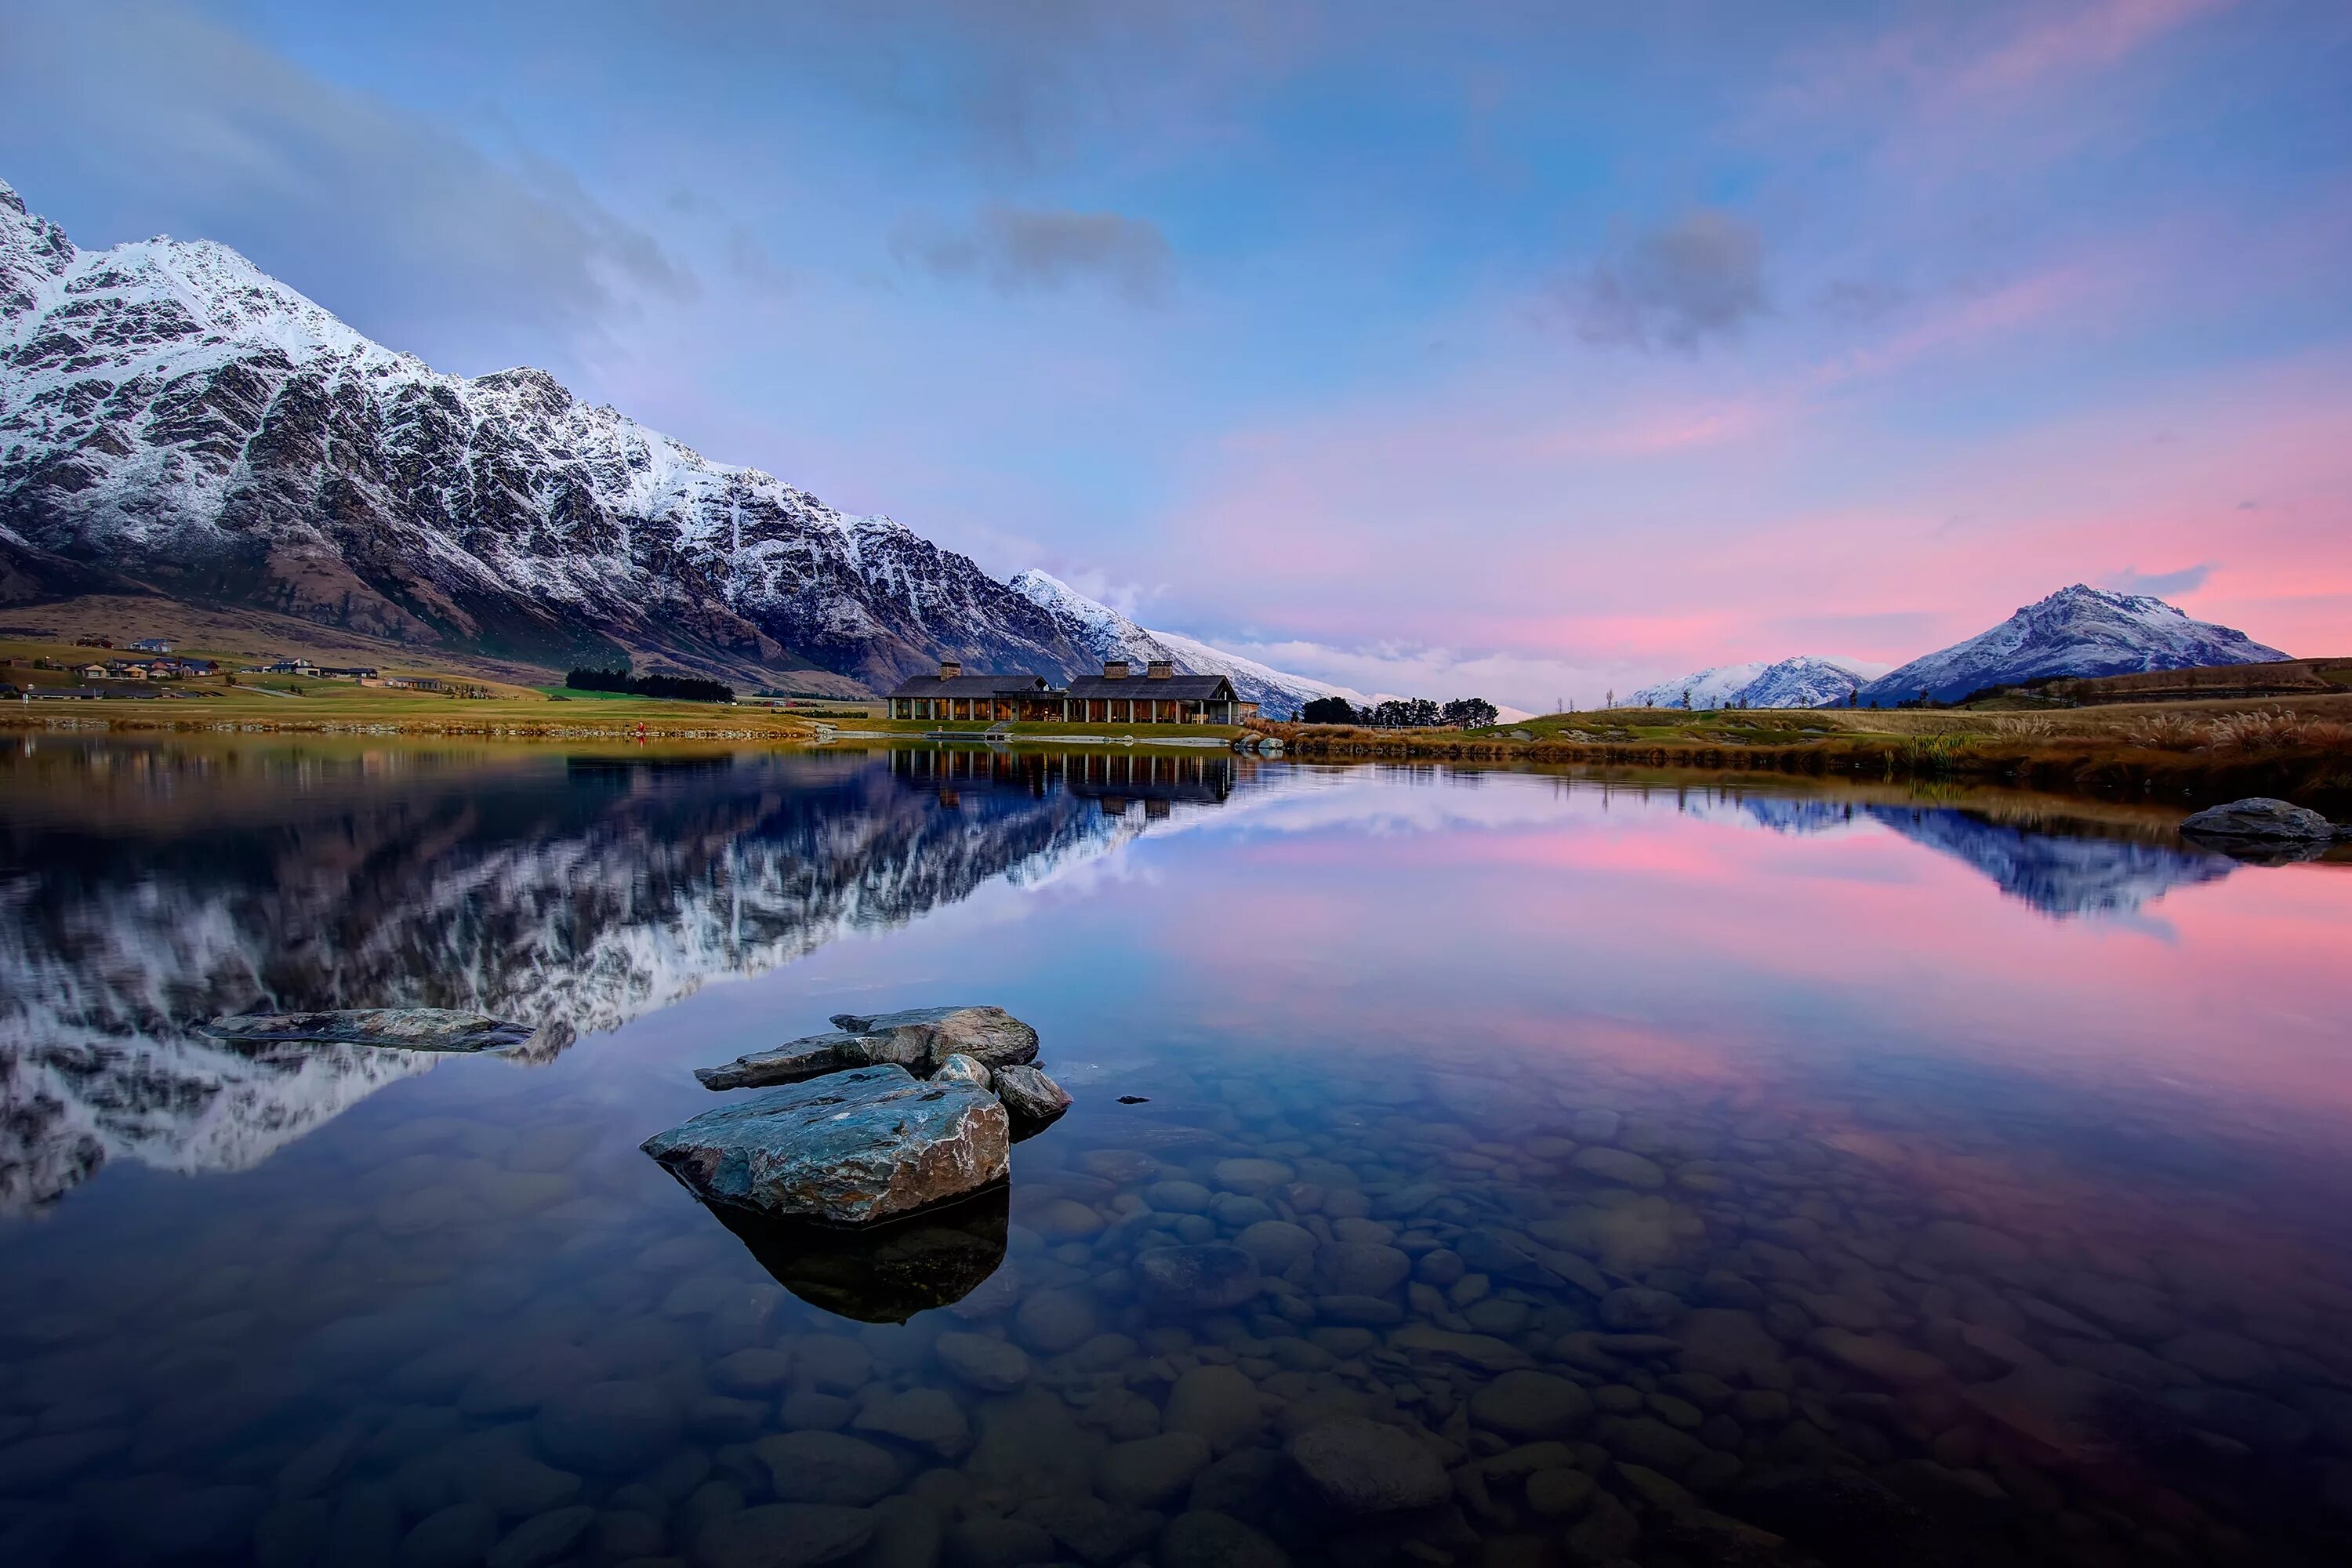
(1117, 696)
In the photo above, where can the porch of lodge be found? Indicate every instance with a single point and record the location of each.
(1160, 696)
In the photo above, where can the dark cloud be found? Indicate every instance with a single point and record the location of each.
(2187, 580)
(124, 116)
(1698, 277)
(1025, 250)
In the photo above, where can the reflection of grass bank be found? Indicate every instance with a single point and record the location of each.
(917, 728)
(2197, 752)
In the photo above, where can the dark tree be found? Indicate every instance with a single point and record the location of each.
(1470, 714)
(1329, 710)
(673, 687)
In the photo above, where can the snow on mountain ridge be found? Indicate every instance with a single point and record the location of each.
(1096, 628)
(171, 413)
(2076, 631)
(1806, 680)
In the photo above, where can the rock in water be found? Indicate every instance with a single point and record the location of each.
(967, 1068)
(847, 1149)
(923, 1037)
(1031, 1096)
(2259, 818)
(1362, 1467)
(795, 1062)
(401, 1028)
(1201, 1279)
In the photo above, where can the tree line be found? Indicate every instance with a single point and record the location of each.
(673, 687)
(1402, 713)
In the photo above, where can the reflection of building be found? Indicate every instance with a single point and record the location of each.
(1115, 696)
(1115, 779)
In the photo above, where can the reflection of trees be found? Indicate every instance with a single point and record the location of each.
(584, 891)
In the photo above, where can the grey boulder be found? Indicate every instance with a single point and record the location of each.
(990, 1036)
(967, 1068)
(850, 1148)
(794, 1061)
(2260, 818)
(1029, 1094)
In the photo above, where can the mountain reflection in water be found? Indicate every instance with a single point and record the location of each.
(1614, 1168)
(584, 889)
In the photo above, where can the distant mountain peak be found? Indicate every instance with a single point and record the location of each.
(1106, 634)
(1806, 680)
(2077, 631)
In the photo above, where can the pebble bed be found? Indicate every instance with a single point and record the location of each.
(1368, 1311)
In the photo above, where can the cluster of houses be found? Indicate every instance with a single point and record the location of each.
(1117, 696)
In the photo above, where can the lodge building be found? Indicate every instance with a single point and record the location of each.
(1117, 696)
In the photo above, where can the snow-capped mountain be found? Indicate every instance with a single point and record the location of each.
(2075, 631)
(174, 419)
(1103, 633)
(1808, 681)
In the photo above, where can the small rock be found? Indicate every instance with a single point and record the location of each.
(1031, 1096)
(1057, 1319)
(610, 1427)
(992, 1365)
(2258, 817)
(1201, 1538)
(1621, 1166)
(1527, 1403)
(929, 1035)
(1250, 1176)
(783, 1535)
(1637, 1311)
(926, 1417)
(452, 1537)
(1559, 1494)
(541, 1538)
(1203, 1278)
(1217, 1404)
(795, 1062)
(827, 1467)
(1363, 1467)
(984, 1542)
(967, 1068)
(1150, 1470)
(1878, 1356)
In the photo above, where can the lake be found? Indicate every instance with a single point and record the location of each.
(1666, 1171)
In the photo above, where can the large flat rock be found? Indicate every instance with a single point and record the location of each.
(850, 1148)
(2259, 819)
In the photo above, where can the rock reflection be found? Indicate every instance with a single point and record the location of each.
(881, 1274)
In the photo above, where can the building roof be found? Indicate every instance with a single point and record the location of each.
(968, 685)
(1143, 688)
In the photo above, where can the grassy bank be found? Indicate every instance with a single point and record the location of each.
(2194, 751)
(369, 711)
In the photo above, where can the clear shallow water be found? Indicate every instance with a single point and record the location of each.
(1680, 1176)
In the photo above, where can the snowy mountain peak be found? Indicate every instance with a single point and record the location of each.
(1098, 629)
(171, 415)
(2076, 631)
(1807, 680)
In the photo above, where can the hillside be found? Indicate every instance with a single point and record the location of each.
(174, 422)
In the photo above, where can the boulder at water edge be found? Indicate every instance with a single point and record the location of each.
(923, 1037)
(850, 1148)
(922, 1040)
(2259, 818)
(1031, 1096)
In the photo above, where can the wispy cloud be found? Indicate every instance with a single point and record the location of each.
(1030, 250)
(2186, 579)
(1698, 277)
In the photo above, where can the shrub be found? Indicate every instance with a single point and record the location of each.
(2166, 732)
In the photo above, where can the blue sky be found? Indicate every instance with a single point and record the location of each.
(1529, 349)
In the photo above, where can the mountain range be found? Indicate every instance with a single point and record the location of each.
(173, 421)
(2076, 631)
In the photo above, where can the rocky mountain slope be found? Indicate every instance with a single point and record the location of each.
(2076, 631)
(172, 419)
(1808, 681)
(1102, 632)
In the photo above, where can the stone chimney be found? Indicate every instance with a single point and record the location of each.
(950, 669)
(1161, 669)
(1115, 669)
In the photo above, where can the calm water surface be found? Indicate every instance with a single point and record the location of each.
(1634, 1173)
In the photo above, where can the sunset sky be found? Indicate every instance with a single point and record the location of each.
(1529, 350)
